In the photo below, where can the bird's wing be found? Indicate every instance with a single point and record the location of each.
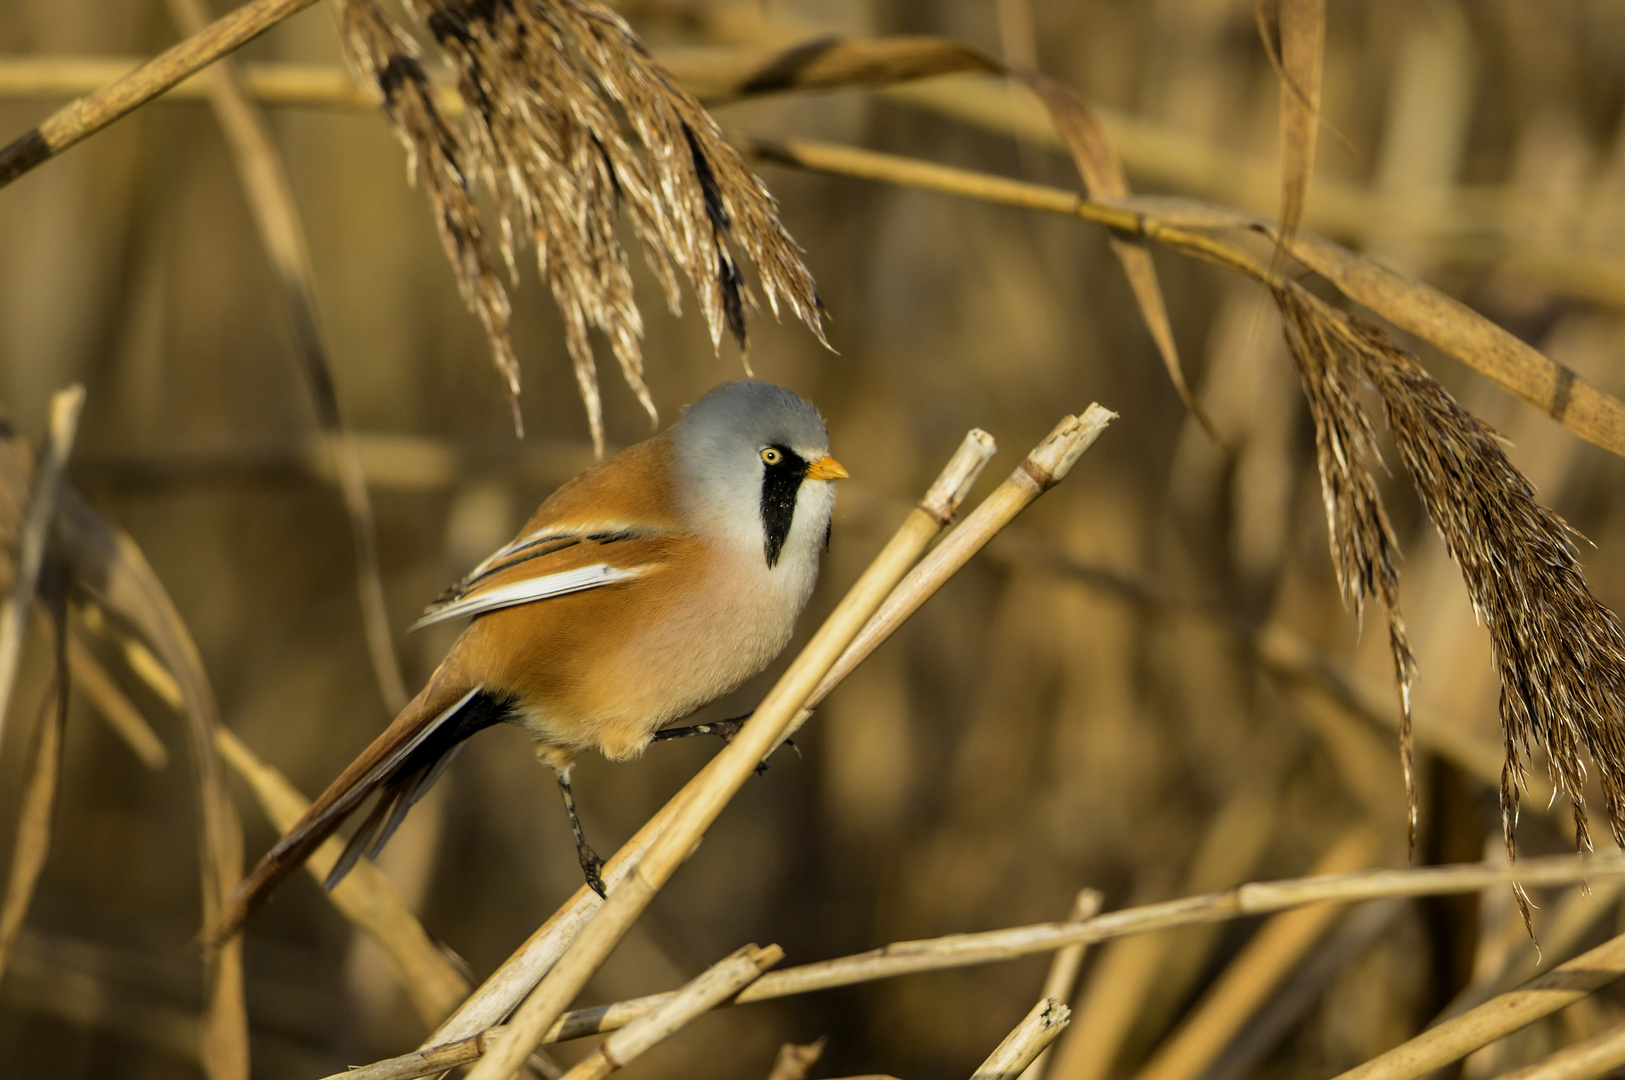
(610, 524)
(553, 564)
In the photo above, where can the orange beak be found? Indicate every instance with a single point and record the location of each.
(826, 468)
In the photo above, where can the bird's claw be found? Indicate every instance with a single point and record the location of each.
(591, 865)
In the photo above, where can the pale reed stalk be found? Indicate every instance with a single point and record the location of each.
(1040, 1027)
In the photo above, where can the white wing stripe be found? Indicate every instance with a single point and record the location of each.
(536, 588)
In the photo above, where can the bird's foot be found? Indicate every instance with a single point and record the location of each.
(726, 730)
(591, 866)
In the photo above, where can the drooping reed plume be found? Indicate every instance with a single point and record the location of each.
(1559, 652)
(550, 88)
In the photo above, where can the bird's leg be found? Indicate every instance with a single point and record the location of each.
(725, 729)
(591, 864)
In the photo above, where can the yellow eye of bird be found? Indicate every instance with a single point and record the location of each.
(771, 456)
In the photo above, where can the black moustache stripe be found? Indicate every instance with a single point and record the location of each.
(780, 482)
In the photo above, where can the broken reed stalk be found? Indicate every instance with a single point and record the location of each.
(36, 537)
(1029, 1038)
(1045, 466)
(84, 117)
(1062, 977)
(992, 946)
(498, 995)
(733, 766)
(1459, 1036)
(1585, 1060)
(282, 234)
(705, 992)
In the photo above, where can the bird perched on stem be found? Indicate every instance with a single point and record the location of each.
(650, 585)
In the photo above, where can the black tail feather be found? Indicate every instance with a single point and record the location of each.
(412, 778)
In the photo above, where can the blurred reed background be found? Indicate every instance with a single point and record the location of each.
(1128, 691)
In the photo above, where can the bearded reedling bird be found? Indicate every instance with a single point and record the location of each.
(648, 586)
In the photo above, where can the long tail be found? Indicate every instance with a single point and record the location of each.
(401, 764)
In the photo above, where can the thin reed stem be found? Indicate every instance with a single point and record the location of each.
(85, 116)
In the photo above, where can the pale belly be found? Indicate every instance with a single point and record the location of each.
(678, 660)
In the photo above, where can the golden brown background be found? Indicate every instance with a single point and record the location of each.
(1083, 706)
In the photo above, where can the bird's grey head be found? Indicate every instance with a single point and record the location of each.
(754, 458)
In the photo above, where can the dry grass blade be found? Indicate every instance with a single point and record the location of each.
(1249, 979)
(1559, 652)
(80, 119)
(705, 992)
(276, 216)
(698, 808)
(36, 537)
(1029, 1038)
(42, 770)
(366, 896)
(1456, 1038)
(1294, 33)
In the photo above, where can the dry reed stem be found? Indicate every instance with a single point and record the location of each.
(1459, 1036)
(35, 538)
(42, 771)
(90, 677)
(795, 1061)
(84, 117)
(282, 233)
(705, 992)
(498, 995)
(1062, 977)
(1029, 1038)
(1294, 33)
(1046, 465)
(1150, 150)
(366, 896)
(992, 946)
(1253, 975)
(1181, 225)
(1593, 1057)
(733, 766)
